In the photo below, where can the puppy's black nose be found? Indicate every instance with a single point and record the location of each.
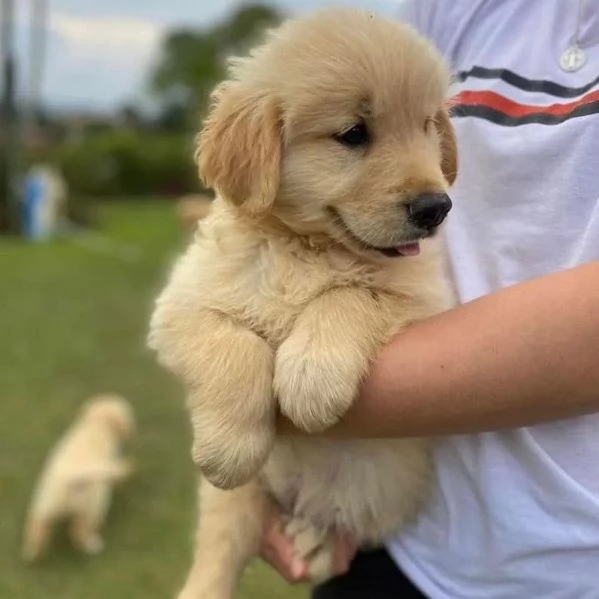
(428, 210)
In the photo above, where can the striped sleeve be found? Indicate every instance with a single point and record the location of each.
(507, 98)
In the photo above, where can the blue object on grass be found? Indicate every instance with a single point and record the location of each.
(35, 225)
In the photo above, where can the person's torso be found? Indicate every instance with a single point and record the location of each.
(516, 514)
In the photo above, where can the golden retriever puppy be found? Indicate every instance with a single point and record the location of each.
(191, 209)
(77, 479)
(331, 153)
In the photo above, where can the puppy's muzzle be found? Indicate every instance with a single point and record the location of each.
(428, 210)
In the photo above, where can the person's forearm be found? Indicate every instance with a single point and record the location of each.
(522, 356)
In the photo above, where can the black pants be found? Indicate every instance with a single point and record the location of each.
(372, 575)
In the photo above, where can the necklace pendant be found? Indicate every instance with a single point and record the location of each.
(572, 59)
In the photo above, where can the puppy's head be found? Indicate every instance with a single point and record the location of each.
(337, 126)
(112, 411)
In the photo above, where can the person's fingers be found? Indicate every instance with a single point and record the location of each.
(345, 551)
(351, 546)
(277, 550)
(293, 570)
(282, 558)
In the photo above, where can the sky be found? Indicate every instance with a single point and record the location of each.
(99, 52)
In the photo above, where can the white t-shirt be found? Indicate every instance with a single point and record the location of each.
(515, 515)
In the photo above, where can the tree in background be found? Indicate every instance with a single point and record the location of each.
(193, 61)
(132, 152)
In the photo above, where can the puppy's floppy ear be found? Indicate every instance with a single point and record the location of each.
(239, 149)
(449, 146)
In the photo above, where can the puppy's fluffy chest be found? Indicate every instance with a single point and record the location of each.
(265, 282)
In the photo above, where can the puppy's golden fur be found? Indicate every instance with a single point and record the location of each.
(77, 479)
(288, 290)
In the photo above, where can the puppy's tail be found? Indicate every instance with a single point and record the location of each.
(38, 531)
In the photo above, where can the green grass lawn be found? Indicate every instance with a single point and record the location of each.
(73, 321)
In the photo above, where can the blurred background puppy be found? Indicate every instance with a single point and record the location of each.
(77, 479)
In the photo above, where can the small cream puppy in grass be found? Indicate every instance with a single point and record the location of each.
(78, 477)
(331, 152)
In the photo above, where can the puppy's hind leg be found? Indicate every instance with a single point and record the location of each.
(228, 536)
(314, 545)
(38, 533)
(87, 521)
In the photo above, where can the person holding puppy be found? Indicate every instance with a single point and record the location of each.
(509, 379)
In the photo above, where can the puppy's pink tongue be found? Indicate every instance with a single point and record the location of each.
(409, 249)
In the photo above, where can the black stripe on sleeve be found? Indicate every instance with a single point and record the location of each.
(529, 85)
(500, 118)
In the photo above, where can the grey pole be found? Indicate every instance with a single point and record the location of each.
(8, 118)
(37, 63)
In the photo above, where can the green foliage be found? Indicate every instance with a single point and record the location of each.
(192, 62)
(189, 68)
(74, 316)
(245, 27)
(128, 162)
(133, 156)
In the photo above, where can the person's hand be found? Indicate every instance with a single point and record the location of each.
(277, 550)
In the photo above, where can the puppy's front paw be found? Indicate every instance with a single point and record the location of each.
(230, 463)
(228, 456)
(315, 387)
(92, 545)
(232, 413)
(314, 546)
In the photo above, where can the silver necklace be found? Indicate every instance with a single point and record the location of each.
(573, 58)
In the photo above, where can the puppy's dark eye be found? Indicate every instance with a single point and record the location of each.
(428, 124)
(354, 136)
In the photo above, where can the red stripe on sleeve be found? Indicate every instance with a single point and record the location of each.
(514, 109)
